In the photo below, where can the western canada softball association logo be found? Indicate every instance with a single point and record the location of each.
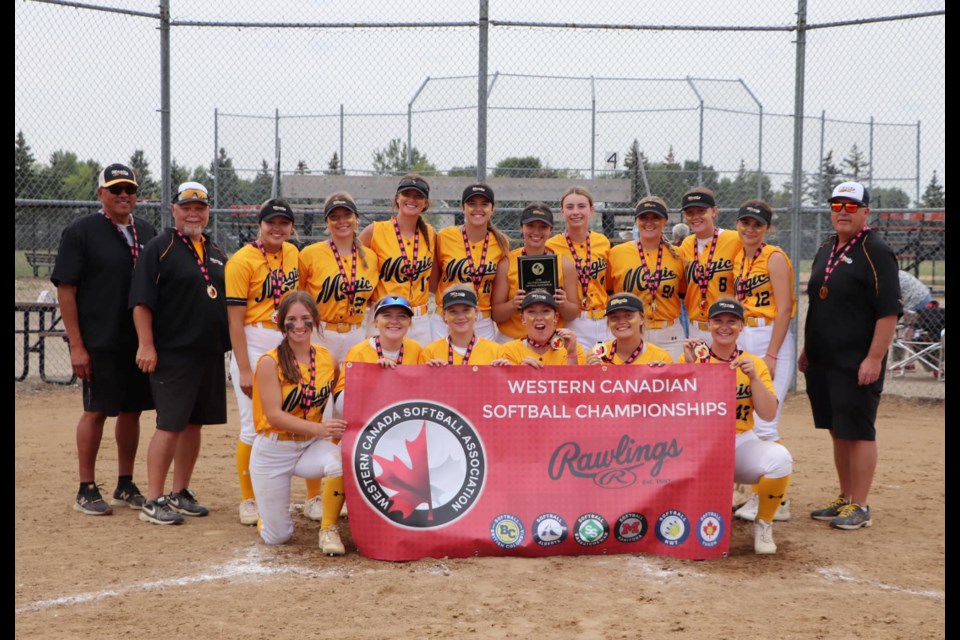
(419, 464)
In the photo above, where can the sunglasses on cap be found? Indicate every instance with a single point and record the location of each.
(127, 188)
(194, 194)
(837, 207)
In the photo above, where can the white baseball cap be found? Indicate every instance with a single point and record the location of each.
(851, 191)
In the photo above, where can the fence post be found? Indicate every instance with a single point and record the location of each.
(482, 91)
(798, 153)
(165, 188)
(216, 163)
(410, 123)
(593, 127)
(918, 165)
(275, 187)
(823, 125)
(343, 165)
(870, 180)
(759, 140)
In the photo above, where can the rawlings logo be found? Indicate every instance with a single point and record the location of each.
(612, 468)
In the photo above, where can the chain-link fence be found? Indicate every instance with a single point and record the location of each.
(539, 95)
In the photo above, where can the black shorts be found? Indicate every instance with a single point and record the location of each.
(188, 389)
(118, 385)
(842, 405)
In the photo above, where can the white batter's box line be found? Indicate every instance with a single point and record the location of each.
(664, 574)
(839, 574)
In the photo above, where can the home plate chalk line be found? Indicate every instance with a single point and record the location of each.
(250, 565)
(839, 574)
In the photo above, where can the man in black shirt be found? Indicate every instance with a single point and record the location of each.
(95, 260)
(178, 300)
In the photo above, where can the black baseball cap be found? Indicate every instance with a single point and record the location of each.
(478, 189)
(538, 211)
(651, 206)
(459, 296)
(273, 208)
(116, 173)
(726, 306)
(339, 203)
(697, 199)
(538, 297)
(756, 213)
(398, 302)
(624, 301)
(417, 184)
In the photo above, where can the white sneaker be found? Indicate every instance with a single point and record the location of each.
(249, 513)
(748, 511)
(343, 510)
(313, 508)
(330, 542)
(741, 495)
(763, 538)
(783, 512)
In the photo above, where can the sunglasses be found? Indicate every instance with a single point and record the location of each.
(192, 193)
(117, 189)
(837, 207)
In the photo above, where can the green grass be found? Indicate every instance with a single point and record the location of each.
(21, 268)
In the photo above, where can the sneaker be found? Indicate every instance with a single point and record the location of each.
(852, 516)
(159, 511)
(185, 502)
(90, 502)
(128, 495)
(741, 495)
(830, 511)
(783, 512)
(330, 542)
(748, 511)
(763, 538)
(249, 513)
(343, 510)
(313, 508)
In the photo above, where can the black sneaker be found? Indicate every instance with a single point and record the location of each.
(159, 512)
(185, 502)
(90, 502)
(128, 495)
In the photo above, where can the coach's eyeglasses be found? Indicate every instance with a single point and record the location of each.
(837, 207)
(127, 188)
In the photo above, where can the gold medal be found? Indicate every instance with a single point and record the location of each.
(702, 352)
(703, 303)
(653, 306)
(823, 292)
(275, 317)
(556, 342)
(211, 291)
(585, 303)
(599, 350)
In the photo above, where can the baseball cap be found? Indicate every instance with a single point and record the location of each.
(851, 191)
(652, 207)
(389, 302)
(338, 203)
(459, 296)
(624, 301)
(538, 297)
(756, 213)
(114, 173)
(726, 306)
(273, 208)
(192, 192)
(478, 189)
(697, 199)
(417, 184)
(538, 211)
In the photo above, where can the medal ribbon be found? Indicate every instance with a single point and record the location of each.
(350, 284)
(466, 356)
(734, 356)
(831, 262)
(538, 345)
(633, 356)
(652, 279)
(200, 263)
(135, 247)
(740, 285)
(476, 274)
(308, 392)
(700, 271)
(276, 277)
(409, 266)
(582, 271)
(380, 356)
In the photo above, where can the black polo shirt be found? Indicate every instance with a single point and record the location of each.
(97, 260)
(862, 289)
(168, 281)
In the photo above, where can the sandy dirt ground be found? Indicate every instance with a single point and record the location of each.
(88, 578)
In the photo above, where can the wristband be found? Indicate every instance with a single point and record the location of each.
(770, 355)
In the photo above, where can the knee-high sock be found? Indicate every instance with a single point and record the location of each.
(243, 470)
(314, 487)
(333, 495)
(772, 492)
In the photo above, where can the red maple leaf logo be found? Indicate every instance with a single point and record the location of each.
(710, 528)
(412, 483)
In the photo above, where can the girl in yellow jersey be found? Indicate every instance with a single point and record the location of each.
(341, 276)
(625, 318)
(473, 253)
(708, 253)
(764, 286)
(404, 245)
(590, 252)
(258, 277)
(761, 462)
(292, 386)
(536, 224)
(652, 269)
(462, 345)
(544, 344)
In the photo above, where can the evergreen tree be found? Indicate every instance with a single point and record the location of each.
(889, 198)
(302, 168)
(820, 186)
(934, 196)
(149, 189)
(333, 167)
(392, 160)
(858, 168)
(26, 174)
(224, 176)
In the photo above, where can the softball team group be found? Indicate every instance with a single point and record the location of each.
(362, 296)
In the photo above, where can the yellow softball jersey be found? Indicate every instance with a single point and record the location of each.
(626, 273)
(513, 327)
(516, 350)
(320, 277)
(484, 352)
(719, 270)
(759, 301)
(394, 279)
(744, 391)
(292, 392)
(650, 353)
(247, 275)
(596, 269)
(455, 268)
(366, 351)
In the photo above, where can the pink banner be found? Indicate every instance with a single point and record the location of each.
(465, 461)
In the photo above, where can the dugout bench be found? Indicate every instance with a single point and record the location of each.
(41, 260)
(39, 322)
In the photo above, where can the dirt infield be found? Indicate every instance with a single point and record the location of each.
(116, 577)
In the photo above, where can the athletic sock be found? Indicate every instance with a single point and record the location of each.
(314, 488)
(772, 492)
(332, 501)
(243, 470)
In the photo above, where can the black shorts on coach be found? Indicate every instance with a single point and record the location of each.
(842, 405)
(189, 388)
(118, 385)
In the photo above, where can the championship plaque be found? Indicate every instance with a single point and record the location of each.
(538, 272)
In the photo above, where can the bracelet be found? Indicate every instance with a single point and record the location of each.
(770, 355)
